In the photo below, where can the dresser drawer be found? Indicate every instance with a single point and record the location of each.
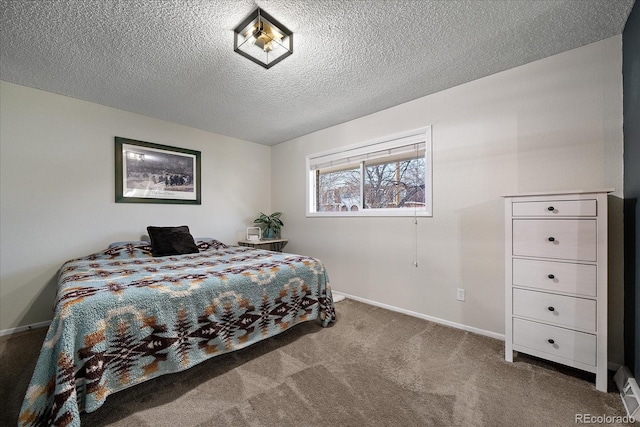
(580, 279)
(554, 208)
(571, 239)
(561, 310)
(565, 343)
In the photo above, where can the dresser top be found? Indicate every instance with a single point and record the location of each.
(558, 193)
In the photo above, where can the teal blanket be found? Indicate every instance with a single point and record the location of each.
(123, 317)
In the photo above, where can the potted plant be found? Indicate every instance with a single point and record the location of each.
(270, 224)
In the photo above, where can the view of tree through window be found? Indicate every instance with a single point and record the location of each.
(388, 184)
(395, 184)
(387, 177)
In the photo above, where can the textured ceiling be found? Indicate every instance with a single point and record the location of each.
(174, 59)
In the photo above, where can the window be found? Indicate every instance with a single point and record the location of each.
(387, 177)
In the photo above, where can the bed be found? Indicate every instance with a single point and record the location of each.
(123, 316)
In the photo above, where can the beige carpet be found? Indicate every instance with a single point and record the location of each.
(374, 367)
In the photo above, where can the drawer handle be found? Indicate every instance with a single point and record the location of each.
(551, 308)
(552, 239)
(550, 341)
(551, 209)
(551, 276)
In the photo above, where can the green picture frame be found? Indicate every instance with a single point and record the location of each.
(155, 173)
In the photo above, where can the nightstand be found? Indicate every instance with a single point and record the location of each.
(276, 245)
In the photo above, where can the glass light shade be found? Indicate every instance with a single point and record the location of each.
(262, 39)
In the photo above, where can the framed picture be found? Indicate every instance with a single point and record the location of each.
(154, 173)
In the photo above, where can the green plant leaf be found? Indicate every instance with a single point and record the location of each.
(270, 222)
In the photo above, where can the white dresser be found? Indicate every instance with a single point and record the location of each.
(556, 278)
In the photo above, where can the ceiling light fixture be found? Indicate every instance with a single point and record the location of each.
(262, 39)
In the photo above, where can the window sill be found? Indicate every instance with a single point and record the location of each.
(374, 213)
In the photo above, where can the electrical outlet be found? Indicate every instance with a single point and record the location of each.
(460, 294)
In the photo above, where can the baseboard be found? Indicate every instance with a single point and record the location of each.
(19, 329)
(424, 316)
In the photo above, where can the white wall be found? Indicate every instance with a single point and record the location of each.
(555, 124)
(57, 190)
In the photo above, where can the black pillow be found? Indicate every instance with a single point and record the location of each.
(171, 241)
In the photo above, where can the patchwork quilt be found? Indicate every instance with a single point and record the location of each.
(123, 317)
